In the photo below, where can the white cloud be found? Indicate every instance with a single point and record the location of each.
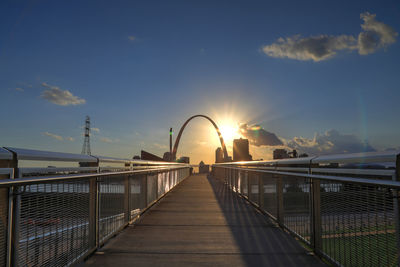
(19, 89)
(97, 130)
(375, 35)
(70, 139)
(108, 140)
(57, 137)
(314, 48)
(60, 97)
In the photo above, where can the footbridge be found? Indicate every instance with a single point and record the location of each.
(61, 209)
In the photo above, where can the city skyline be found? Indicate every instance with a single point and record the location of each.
(320, 78)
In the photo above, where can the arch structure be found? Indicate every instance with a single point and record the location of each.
(178, 138)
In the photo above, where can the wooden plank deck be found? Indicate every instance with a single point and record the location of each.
(201, 222)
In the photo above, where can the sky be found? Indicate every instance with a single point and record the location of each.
(320, 77)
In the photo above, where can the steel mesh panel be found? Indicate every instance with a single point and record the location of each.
(137, 200)
(358, 224)
(296, 205)
(151, 188)
(270, 194)
(253, 183)
(53, 223)
(111, 206)
(3, 225)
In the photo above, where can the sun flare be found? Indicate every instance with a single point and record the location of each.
(229, 131)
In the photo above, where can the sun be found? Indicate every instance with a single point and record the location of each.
(229, 131)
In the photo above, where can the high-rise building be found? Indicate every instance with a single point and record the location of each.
(219, 155)
(241, 150)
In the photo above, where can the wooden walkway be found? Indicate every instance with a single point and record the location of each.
(203, 223)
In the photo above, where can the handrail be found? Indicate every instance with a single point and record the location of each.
(35, 180)
(376, 182)
(366, 157)
(41, 155)
(5, 154)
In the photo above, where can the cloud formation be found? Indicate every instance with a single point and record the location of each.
(258, 136)
(331, 142)
(131, 38)
(19, 89)
(97, 130)
(57, 137)
(375, 35)
(60, 97)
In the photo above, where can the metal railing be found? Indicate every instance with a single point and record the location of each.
(57, 216)
(345, 207)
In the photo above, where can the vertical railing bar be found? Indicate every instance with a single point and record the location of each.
(127, 197)
(145, 189)
(97, 207)
(396, 205)
(279, 189)
(15, 220)
(10, 216)
(92, 213)
(261, 191)
(316, 216)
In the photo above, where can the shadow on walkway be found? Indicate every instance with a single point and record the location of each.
(260, 241)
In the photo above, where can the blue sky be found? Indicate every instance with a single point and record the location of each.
(138, 68)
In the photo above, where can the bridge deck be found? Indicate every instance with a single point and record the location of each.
(202, 222)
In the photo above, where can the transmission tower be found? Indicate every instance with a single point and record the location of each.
(86, 142)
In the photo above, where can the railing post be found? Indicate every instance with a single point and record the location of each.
(249, 175)
(260, 191)
(6, 198)
(397, 208)
(144, 189)
(279, 191)
(316, 235)
(93, 214)
(127, 196)
(94, 189)
(14, 206)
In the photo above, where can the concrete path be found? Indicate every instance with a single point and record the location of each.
(203, 223)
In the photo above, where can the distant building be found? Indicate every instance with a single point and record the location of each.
(281, 154)
(149, 156)
(184, 160)
(204, 168)
(241, 150)
(219, 155)
(136, 157)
